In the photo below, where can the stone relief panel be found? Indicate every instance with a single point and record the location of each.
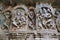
(20, 17)
(45, 17)
(43, 21)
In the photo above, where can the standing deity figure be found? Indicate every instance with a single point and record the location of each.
(20, 17)
(45, 17)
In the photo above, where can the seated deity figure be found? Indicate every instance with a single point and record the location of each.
(20, 17)
(31, 19)
(45, 16)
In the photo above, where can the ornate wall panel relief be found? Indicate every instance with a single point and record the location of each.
(20, 17)
(23, 23)
(45, 17)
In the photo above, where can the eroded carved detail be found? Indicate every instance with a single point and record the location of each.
(31, 19)
(20, 16)
(45, 16)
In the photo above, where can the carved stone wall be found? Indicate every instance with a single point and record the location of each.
(30, 23)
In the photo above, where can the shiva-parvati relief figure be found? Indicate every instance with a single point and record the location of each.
(45, 17)
(20, 17)
(32, 18)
